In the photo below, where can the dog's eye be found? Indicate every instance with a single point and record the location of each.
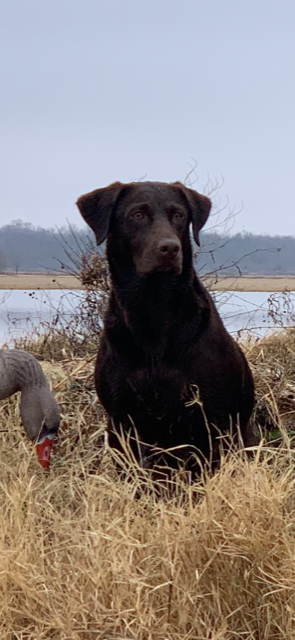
(137, 215)
(177, 216)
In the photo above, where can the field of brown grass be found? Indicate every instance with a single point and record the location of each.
(244, 283)
(34, 281)
(88, 555)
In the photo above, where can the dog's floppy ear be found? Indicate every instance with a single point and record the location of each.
(199, 205)
(96, 209)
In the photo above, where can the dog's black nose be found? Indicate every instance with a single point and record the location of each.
(169, 247)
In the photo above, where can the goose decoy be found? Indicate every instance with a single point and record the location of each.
(20, 371)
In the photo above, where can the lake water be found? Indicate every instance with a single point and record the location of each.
(22, 311)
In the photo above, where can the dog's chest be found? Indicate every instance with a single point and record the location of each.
(157, 391)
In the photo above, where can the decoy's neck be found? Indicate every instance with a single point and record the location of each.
(19, 370)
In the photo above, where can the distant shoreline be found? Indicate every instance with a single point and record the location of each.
(34, 281)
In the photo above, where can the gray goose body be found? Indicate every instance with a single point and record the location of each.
(20, 371)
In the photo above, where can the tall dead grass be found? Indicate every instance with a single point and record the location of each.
(87, 554)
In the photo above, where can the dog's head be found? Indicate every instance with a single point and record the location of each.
(148, 220)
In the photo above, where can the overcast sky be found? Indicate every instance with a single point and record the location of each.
(94, 91)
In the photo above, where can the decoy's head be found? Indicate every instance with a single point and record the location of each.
(44, 445)
(40, 418)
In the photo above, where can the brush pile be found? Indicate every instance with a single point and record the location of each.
(88, 555)
(272, 361)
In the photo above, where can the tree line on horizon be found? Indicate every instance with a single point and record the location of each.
(26, 248)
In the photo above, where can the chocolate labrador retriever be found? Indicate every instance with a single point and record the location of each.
(168, 374)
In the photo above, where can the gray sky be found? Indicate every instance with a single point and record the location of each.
(94, 91)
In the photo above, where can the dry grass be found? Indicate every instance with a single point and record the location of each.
(33, 281)
(83, 556)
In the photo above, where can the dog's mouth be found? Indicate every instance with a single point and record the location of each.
(164, 264)
(172, 268)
